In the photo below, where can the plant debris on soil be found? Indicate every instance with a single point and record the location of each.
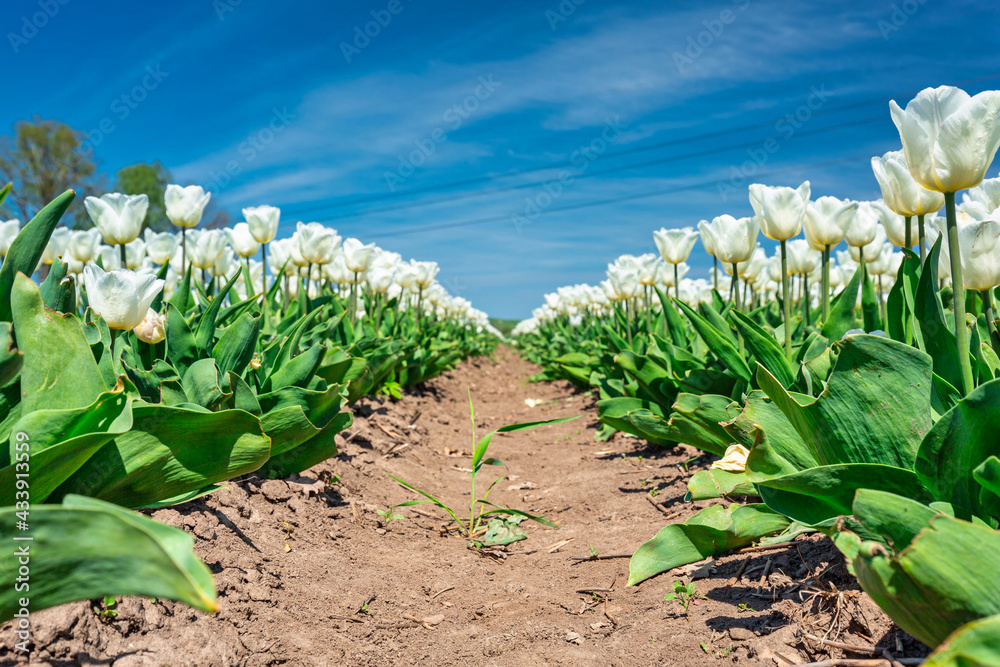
(309, 572)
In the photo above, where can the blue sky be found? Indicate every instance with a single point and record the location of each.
(481, 135)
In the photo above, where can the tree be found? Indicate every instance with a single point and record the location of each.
(44, 158)
(150, 180)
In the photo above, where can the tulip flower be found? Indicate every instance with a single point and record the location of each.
(135, 254)
(160, 247)
(675, 246)
(979, 249)
(826, 222)
(950, 138)
(121, 297)
(780, 211)
(870, 251)
(152, 329)
(206, 247)
(986, 193)
(317, 242)
(57, 245)
(899, 230)
(8, 232)
(242, 241)
(904, 196)
(863, 226)
(84, 245)
(119, 217)
(263, 222)
(185, 206)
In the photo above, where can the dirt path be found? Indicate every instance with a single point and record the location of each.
(308, 574)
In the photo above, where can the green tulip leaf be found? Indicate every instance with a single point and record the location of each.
(27, 247)
(711, 532)
(86, 549)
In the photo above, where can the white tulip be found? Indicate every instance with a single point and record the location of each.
(160, 247)
(84, 245)
(263, 222)
(8, 232)
(827, 219)
(732, 239)
(949, 138)
(861, 231)
(986, 193)
(185, 205)
(979, 249)
(243, 242)
(205, 247)
(316, 242)
(675, 245)
(901, 192)
(425, 273)
(119, 217)
(779, 209)
(152, 329)
(121, 297)
(357, 255)
(56, 246)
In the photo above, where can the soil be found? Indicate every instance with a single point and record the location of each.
(309, 573)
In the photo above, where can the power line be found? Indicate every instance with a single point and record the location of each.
(590, 174)
(348, 201)
(615, 200)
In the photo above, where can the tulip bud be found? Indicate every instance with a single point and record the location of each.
(262, 222)
(186, 205)
(675, 245)
(779, 209)
(119, 217)
(152, 329)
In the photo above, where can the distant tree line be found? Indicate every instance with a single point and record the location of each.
(43, 158)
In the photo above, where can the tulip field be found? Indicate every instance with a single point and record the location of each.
(837, 380)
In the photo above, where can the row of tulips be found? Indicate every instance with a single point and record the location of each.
(149, 384)
(885, 441)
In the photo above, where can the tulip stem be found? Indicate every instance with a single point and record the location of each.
(183, 250)
(786, 305)
(907, 238)
(805, 295)
(826, 283)
(735, 287)
(715, 273)
(677, 283)
(923, 243)
(124, 256)
(263, 259)
(987, 297)
(958, 298)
